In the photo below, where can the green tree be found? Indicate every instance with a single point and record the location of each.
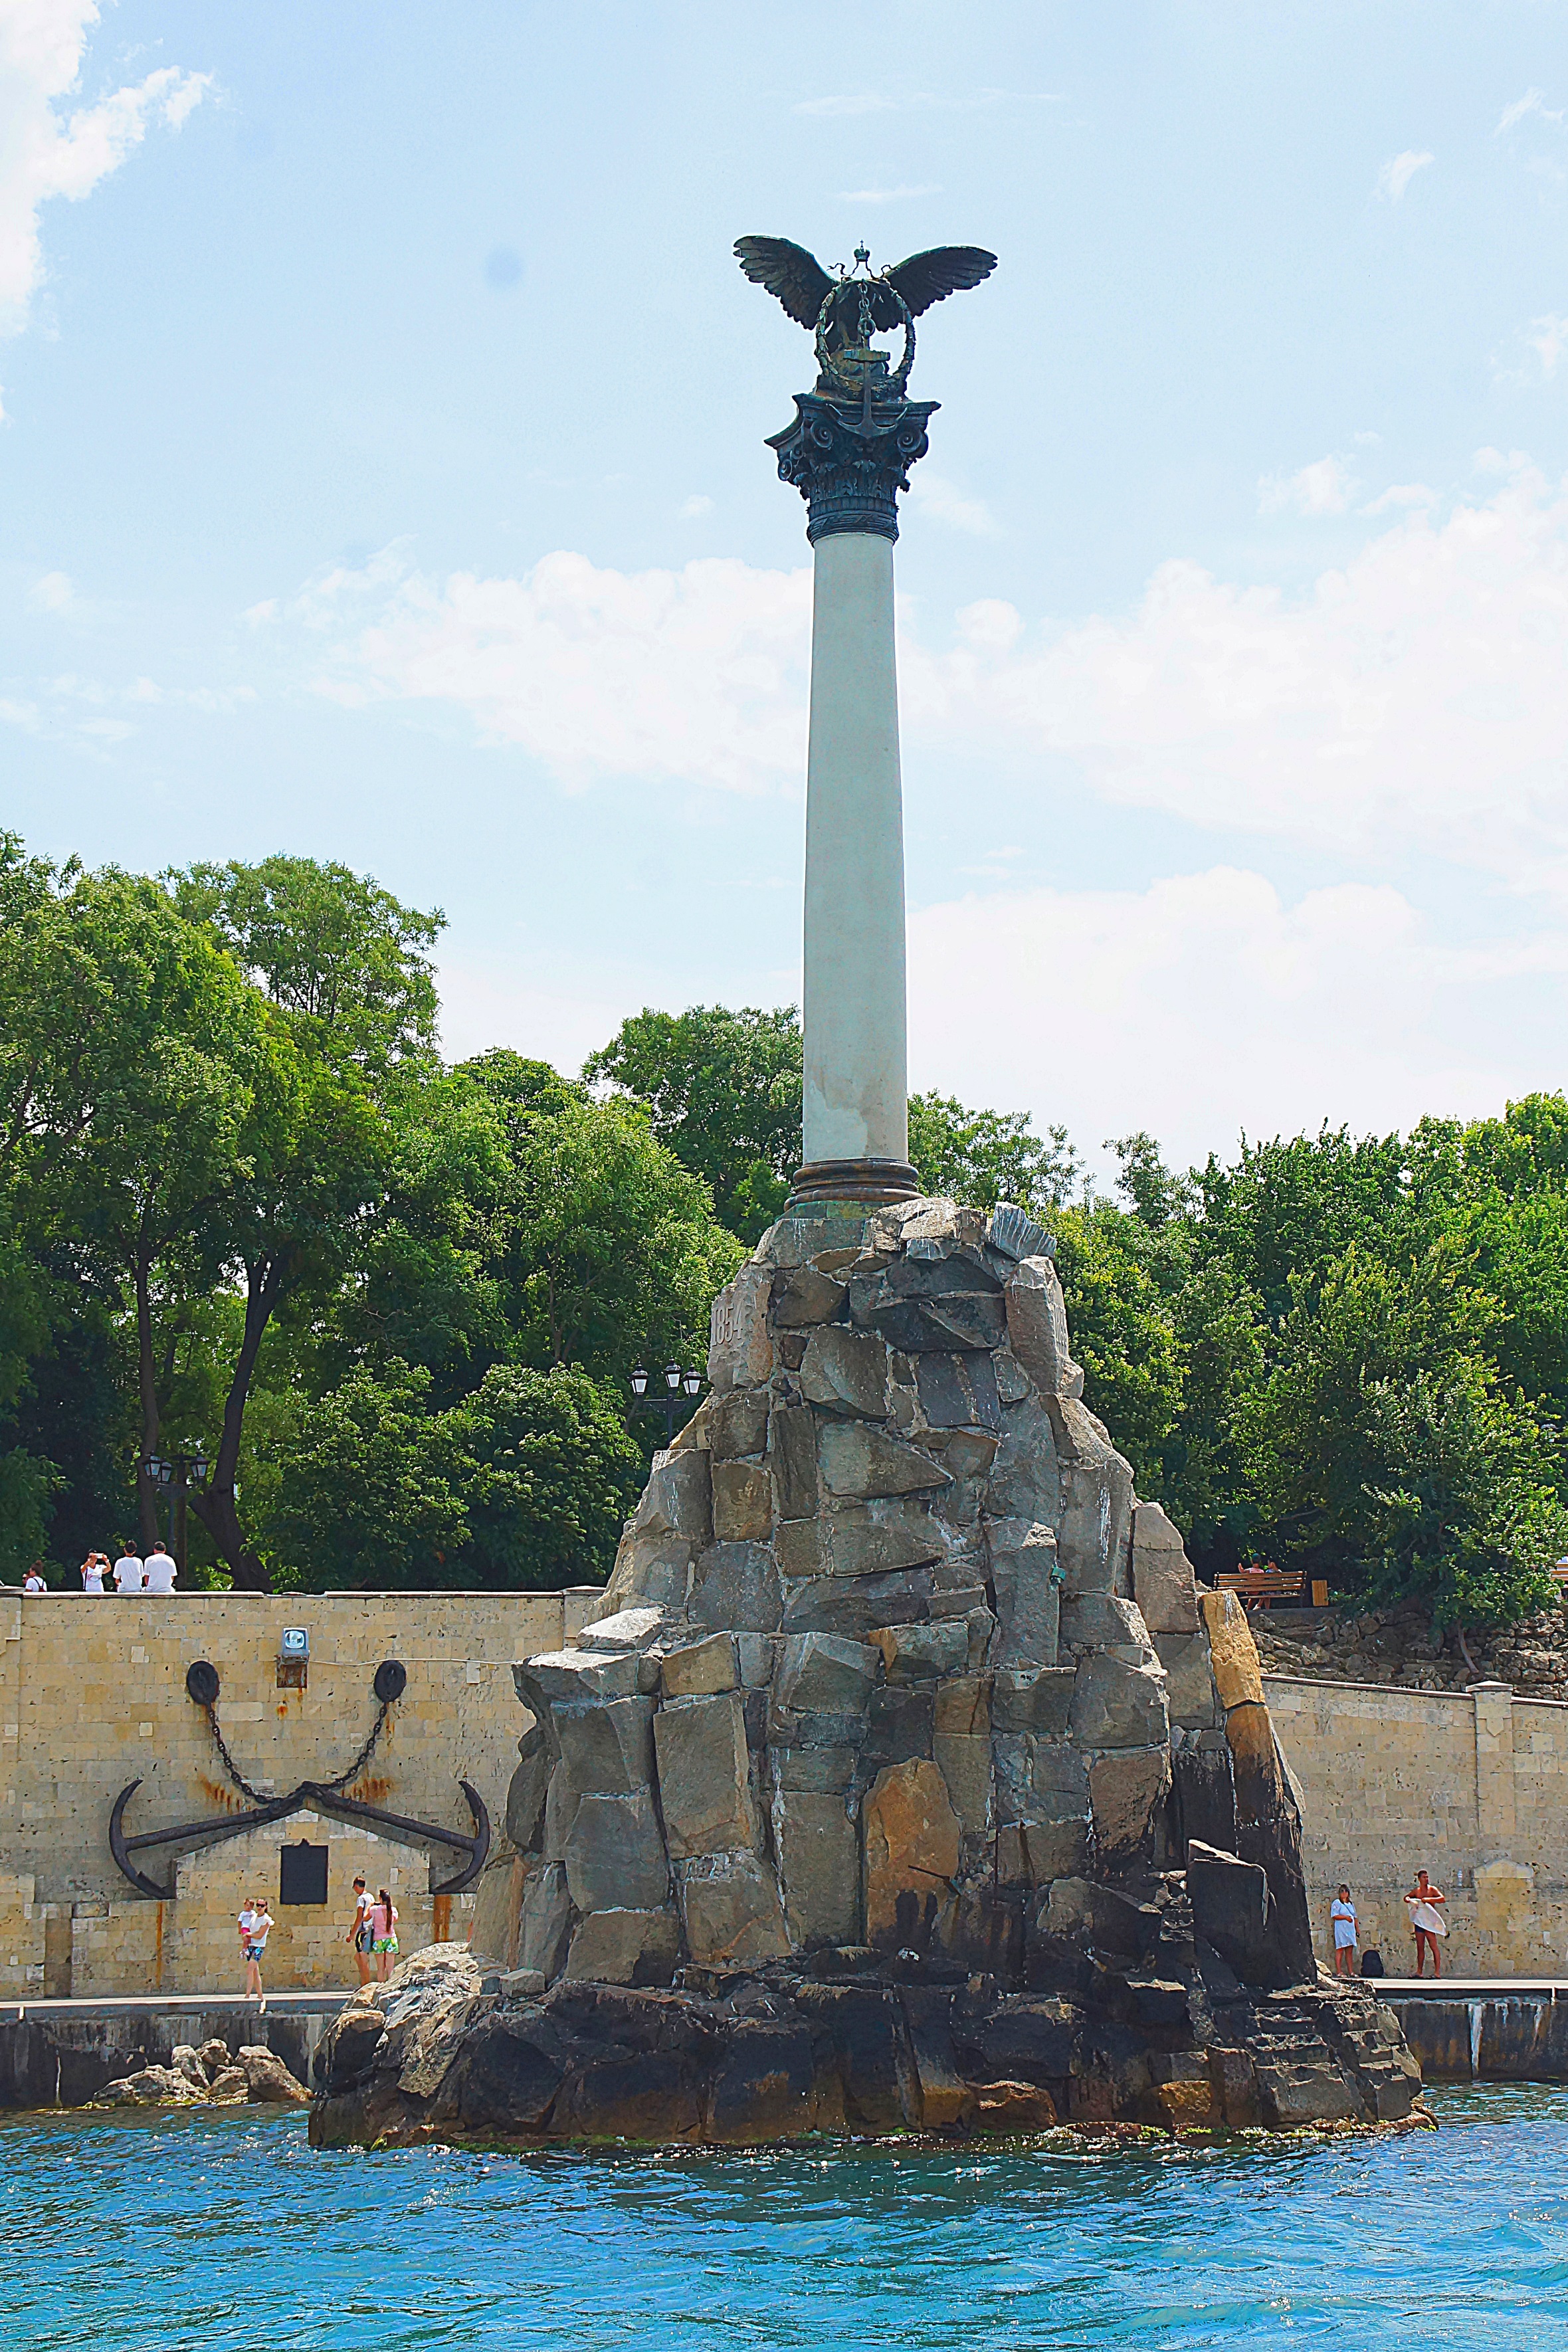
(1122, 1335)
(553, 1474)
(1386, 1451)
(334, 950)
(723, 1091)
(343, 968)
(982, 1157)
(373, 1495)
(612, 1248)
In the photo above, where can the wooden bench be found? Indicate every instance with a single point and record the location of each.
(1255, 1585)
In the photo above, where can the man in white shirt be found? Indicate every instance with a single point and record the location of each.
(127, 1575)
(158, 1571)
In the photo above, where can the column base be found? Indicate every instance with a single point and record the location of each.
(872, 1183)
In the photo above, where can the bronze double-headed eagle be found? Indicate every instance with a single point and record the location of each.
(846, 311)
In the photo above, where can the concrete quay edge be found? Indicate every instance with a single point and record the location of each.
(1470, 1988)
(184, 2004)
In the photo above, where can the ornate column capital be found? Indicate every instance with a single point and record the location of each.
(850, 463)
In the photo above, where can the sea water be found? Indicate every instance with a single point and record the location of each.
(219, 2228)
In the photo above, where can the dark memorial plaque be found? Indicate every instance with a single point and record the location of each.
(303, 1876)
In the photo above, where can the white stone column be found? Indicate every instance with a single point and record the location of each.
(856, 1079)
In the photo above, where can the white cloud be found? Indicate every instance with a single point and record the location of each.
(694, 508)
(1397, 174)
(52, 593)
(1412, 702)
(1324, 488)
(1400, 495)
(886, 195)
(1548, 339)
(698, 674)
(935, 496)
(1532, 102)
(1204, 1006)
(45, 152)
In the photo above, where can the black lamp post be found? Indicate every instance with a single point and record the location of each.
(182, 1474)
(680, 1381)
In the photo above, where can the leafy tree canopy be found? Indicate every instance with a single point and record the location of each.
(723, 1090)
(987, 1155)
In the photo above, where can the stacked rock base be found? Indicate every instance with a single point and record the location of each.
(905, 1739)
(856, 2043)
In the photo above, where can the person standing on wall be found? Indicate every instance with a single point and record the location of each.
(1425, 1902)
(158, 1571)
(383, 1924)
(1344, 1925)
(34, 1581)
(254, 1926)
(127, 1570)
(362, 1934)
(92, 1569)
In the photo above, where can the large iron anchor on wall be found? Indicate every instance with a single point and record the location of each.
(315, 1796)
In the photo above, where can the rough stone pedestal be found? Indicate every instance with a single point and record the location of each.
(906, 1782)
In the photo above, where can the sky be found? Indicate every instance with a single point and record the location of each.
(383, 478)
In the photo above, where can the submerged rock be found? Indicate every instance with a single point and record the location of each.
(868, 1803)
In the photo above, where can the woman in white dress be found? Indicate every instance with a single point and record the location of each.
(1342, 1923)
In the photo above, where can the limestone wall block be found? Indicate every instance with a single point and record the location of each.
(818, 1851)
(1116, 1705)
(739, 1350)
(730, 1909)
(911, 1849)
(1023, 1564)
(614, 1856)
(704, 1776)
(1163, 1581)
(701, 1669)
(846, 1372)
(858, 1462)
(1037, 1327)
(1124, 1789)
(743, 1502)
(736, 1589)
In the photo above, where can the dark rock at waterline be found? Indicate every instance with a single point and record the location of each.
(850, 2041)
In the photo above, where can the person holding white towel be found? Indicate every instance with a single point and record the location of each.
(1424, 1903)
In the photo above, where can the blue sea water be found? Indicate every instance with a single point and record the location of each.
(147, 2234)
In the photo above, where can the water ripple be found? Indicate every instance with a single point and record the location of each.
(221, 2231)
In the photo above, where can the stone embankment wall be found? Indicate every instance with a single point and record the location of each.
(1471, 1786)
(93, 1697)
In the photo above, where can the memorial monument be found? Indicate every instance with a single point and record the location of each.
(907, 1781)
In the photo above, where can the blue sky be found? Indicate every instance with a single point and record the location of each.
(382, 476)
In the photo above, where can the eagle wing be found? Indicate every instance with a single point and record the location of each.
(797, 277)
(928, 277)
